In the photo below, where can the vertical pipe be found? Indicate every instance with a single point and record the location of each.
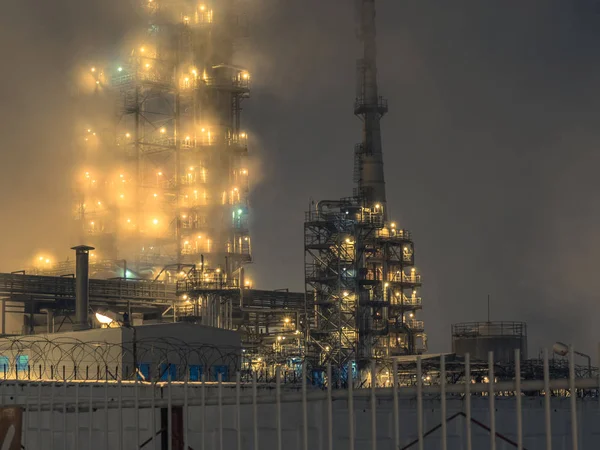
(491, 394)
(220, 392)
(304, 408)
(468, 400)
(3, 316)
(396, 409)
(238, 412)
(420, 402)
(329, 409)
(547, 400)
(82, 285)
(573, 393)
(443, 400)
(350, 408)
(373, 406)
(278, 407)
(255, 411)
(519, 400)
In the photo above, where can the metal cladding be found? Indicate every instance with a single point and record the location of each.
(361, 284)
(82, 285)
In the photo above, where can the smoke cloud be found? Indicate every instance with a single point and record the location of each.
(489, 146)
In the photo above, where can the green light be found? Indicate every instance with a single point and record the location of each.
(240, 212)
(120, 69)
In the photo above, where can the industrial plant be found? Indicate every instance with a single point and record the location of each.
(161, 210)
(160, 200)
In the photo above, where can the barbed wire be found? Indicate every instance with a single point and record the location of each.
(147, 359)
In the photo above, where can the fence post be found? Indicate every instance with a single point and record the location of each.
(519, 399)
(220, 401)
(420, 402)
(573, 392)
(547, 399)
(373, 406)
(396, 409)
(238, 410)
(350, 407)
(304, 408)
(443, 400)
(278, 406)
(491, 376)
(203, 419)
(329, 408)
(255, 410)
(468, 400)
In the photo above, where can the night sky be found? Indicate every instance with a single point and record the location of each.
(490, 144)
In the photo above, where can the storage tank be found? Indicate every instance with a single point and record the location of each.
(479, 338)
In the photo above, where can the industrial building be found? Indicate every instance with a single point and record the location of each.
(161, 202)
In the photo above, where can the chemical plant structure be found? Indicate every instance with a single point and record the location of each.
(161, 194)
(161, 202)
(361, 281)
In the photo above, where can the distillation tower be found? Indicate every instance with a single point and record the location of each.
(361, 284)
(167, 182)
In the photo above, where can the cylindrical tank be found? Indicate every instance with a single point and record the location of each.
(479, 338)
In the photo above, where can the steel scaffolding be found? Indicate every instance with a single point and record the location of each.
(170, 180)
(361, 283)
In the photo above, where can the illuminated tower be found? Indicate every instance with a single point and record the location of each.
(361, 283)
(171, 185)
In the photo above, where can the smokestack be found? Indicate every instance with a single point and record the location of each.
(82, 286)
(370, 107)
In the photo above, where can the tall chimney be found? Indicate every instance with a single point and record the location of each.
(370, 107)
(82, 286)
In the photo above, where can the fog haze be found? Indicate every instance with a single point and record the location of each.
(490, 144)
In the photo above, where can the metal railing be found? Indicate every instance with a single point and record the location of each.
(199, 414)
(466, 329)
